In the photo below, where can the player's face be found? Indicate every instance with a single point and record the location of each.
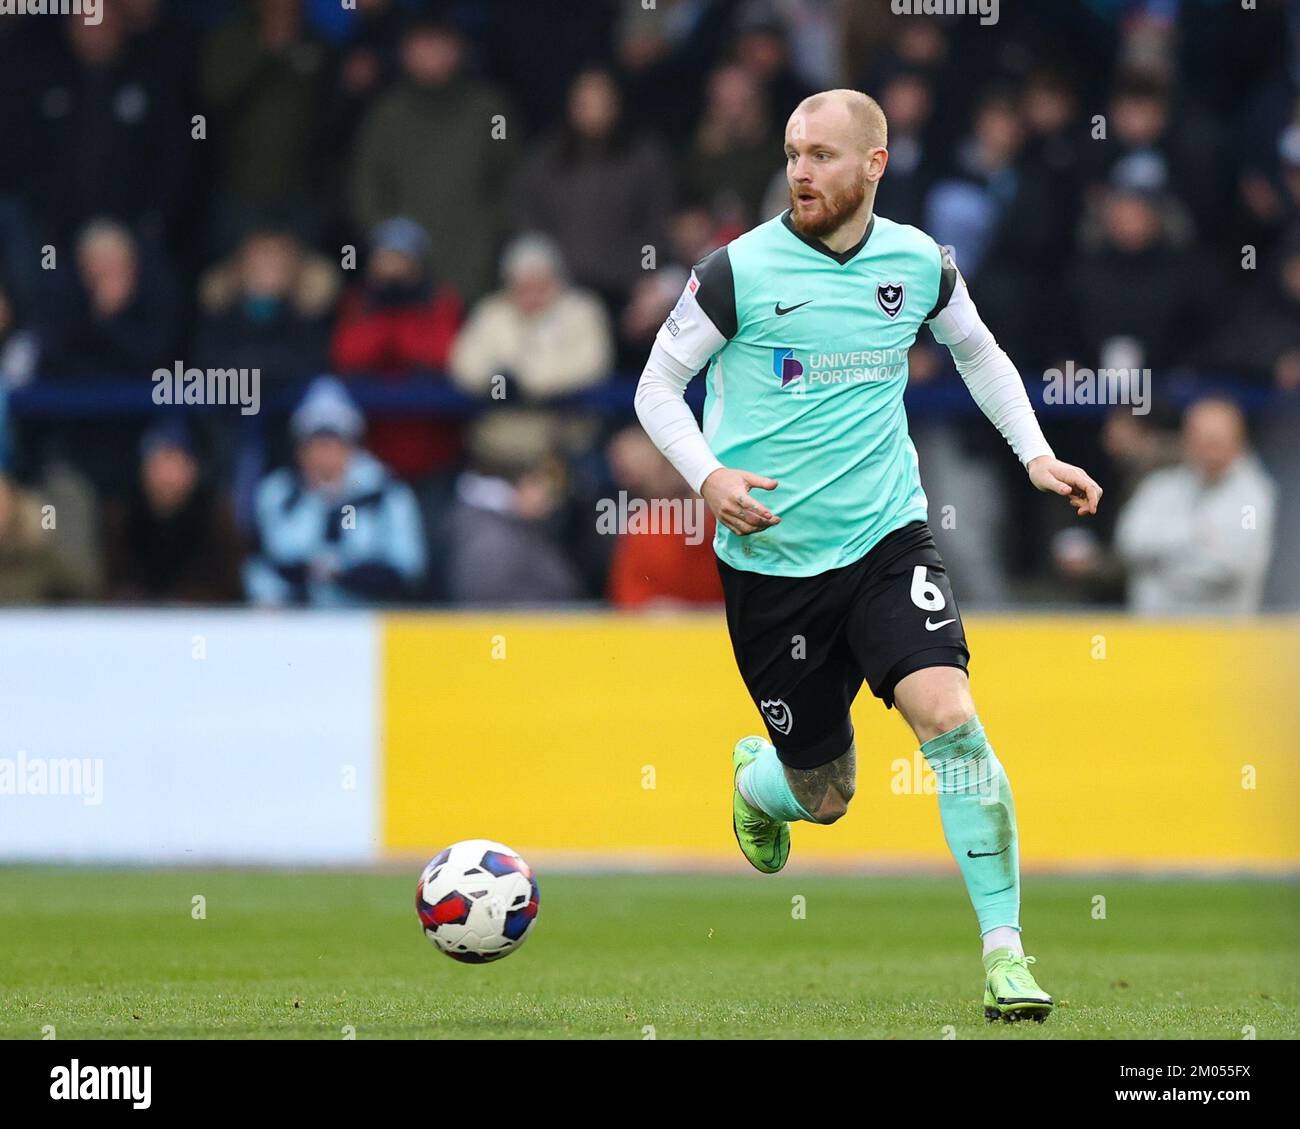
(826, 170)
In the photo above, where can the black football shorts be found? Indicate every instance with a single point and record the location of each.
(805, 644)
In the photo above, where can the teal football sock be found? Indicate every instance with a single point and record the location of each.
(979, 821)
(762, 782)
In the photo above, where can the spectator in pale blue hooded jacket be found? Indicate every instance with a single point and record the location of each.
(336, 529)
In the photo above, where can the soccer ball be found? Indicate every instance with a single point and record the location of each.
(477, 901)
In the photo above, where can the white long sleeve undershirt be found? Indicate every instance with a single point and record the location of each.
(668, 420)
(989, 374)
(987, 371)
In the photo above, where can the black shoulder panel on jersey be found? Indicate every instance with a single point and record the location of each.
(717, 292)
(947, 281)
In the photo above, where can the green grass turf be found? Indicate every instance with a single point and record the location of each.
(116, 953)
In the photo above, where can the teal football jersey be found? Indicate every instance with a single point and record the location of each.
(808, 387)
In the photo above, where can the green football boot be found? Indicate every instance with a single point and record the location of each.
(1010, 991)
(764, 841)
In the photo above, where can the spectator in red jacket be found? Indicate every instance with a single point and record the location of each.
(399, 322)
(665, 561)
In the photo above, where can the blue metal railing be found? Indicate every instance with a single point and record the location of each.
(430, 394)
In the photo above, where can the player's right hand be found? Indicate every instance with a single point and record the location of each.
(727, 493)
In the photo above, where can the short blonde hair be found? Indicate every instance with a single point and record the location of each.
(868, 117)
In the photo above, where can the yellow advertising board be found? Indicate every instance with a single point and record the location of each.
(608, 738)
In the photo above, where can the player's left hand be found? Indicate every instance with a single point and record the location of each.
(1055, 477)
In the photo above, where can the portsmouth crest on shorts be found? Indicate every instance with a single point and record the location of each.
(889, 297)
(778, 715)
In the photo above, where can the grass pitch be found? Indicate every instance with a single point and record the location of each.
(119, 953)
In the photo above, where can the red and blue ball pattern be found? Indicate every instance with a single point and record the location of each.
(477, 901)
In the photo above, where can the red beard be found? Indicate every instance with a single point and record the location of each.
(834, 211)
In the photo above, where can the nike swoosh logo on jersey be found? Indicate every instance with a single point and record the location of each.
(984, 854)
(790, 309)
(935, 626)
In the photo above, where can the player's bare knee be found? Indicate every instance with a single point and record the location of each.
(835, 803)
(940, 714)
(945, 717)
(825, 792)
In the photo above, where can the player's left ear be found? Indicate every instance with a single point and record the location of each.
(877, 159)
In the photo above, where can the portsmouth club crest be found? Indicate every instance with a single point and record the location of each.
(889, 297)
(778, 715)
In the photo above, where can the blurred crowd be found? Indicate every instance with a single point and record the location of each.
(504, 198)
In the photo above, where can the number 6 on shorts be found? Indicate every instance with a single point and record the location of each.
(925, 595)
